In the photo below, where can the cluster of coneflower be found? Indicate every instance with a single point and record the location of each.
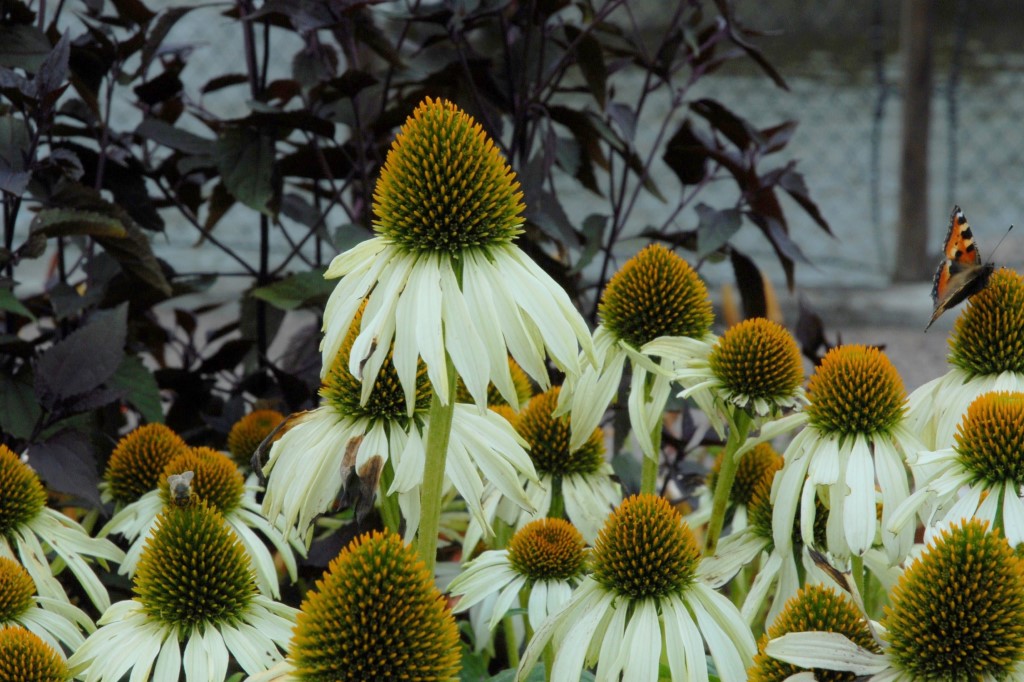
(437, 409)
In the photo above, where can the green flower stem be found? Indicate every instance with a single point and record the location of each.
(389, 510)
(739, 426)
(557, 508)
(649, 468)
(857, 571)
(438, 434)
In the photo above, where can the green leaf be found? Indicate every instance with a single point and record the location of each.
(19, 407)
(716, 228)
(245, 158)
(296, 291)
(62, 222)
(141, 388)
(135, 256)
(164, 133)
(10, 303)
(23, 46)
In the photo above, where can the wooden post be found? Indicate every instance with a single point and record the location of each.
(913, 263)
(911, 248)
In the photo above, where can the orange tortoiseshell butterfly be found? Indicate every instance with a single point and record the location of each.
(961, 273)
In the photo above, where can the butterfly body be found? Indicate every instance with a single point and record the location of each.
(961, 273)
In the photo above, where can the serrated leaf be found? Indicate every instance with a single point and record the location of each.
(67, 463)
(63, 222)
(140, 387)
(296, 291)
(84, 359)
(245, 159)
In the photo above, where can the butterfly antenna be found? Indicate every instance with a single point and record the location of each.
(1005, 235)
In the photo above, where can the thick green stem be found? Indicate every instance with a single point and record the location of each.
(738, 428)
(438, 433)
(389, 510)
(649, 468)
(557, 508)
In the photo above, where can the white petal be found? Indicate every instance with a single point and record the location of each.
(462, 341)
(829, 650)
(859, 515)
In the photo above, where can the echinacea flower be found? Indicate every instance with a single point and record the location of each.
(981, 476)
(655, 312)
(54, 621)
(248, 432)
(217, 480)
(855, 438)
(815, 608)
(24, 657)
(957, 613)
(375, 615)
(643, 603)
(987, 354)
(754, 367)
(194, 587)
(577, 482)
(545, 557)
(779, 567)
(29, 529)
(137, 461)
(443, 276)
(349, 434)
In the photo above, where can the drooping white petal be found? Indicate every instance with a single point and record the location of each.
(829, 650)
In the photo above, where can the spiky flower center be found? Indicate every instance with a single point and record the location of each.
(757, 359)
(194, 570)
(216, 479)
(547, 549)
(655, 293)
(548, 437)
(988, 337)
(26, 658)
(139, 459)
(445, 186)
(375, 615)
(957, 612)
(756, 464)
(16, 590)
(249, 431)
(815, 608)
(645, 550)
(855, 390)
(343, 391)
(22, 496)
(990, 438)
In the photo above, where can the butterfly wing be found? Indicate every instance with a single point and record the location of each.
(961, 273)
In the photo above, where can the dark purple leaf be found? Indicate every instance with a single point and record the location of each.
(734, 127)
(686, 154)
(590, 58)
(777, 137)
(66, 463)
(84, 359)
(750, 285)
(245, 158)
(19, 408)
(14, 144)
(793, 183)
(162, 88)
(221, 82)
(625, 118)
(53, 72)
(227, 357)
(164, 133)
(23, 46)
(168, 18)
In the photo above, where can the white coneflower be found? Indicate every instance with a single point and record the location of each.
(982, 475)
(54, 621)
(248, 432)
(194, 587)
(643, 604)
(545, 558)
(137, 461)
(29, 529)
(957, 613)
(443, 276)
(217, 480)
(855, 439)
(987, 354)
(311, 462)
(655, 312)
